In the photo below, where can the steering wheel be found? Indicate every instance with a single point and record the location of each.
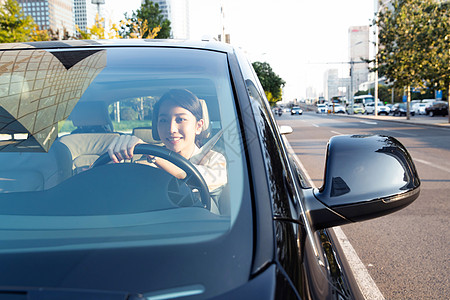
(193, 177)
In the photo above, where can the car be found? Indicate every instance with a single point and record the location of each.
(357, 109)
(334, 108)
(321, 109)
(76, 226)
(296, 110)
(381, 109)
(400, 109)
(438, 108)
(419, 108)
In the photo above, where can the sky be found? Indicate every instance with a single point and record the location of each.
(300, 39)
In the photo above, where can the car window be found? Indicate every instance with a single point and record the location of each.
(64, 108)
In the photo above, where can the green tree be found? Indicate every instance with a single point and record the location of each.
(14, 25)
(414, 39)
(270, 81)
(150, 15)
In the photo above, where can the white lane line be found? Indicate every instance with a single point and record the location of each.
(365, 282)
(369, 122)
(335, 132)
(315, 125)
(446, 169)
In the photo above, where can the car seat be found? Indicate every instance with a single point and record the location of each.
(93, 135)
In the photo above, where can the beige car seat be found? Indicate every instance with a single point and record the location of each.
(93, 135)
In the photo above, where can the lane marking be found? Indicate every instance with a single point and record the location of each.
(369, 122)
(315, 125)
(335, 132)
(432, 165)
(365, 282)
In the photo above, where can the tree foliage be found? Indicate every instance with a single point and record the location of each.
(146, 22)
(99, 31)
(271, 82)
(414, 37)
(14, 25)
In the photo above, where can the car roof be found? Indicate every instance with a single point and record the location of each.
(206, 44)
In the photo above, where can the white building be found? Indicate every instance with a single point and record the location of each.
(359, 45)
(84, 13)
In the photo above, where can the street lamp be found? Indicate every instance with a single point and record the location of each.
(98, 2)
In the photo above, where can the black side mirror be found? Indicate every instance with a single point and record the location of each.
(365, 177)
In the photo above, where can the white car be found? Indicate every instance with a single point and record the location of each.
(321, 109)
(419, 108)
(336, 108)
(381, 109)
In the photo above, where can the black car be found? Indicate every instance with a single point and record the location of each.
(400, 109)
(439, 108)
(247, 226)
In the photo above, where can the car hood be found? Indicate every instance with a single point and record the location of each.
(207, 268)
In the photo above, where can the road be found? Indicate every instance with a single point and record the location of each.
(406, 253)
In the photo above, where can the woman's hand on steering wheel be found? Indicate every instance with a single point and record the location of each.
(122, 147)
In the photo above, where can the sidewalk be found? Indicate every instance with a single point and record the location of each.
(437, 121)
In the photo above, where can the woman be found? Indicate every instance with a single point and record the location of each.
(178, 122)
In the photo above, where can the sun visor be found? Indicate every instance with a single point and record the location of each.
(38, 89)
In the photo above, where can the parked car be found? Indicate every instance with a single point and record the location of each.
(419, 108)
(296, 110)
(321, 109)
(75, 226)
(357, 109)
(399, 109)
(381, 108)
(439, 108)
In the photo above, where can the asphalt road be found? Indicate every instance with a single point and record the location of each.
(406, 253)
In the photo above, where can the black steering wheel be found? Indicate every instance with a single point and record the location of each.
(193, 177)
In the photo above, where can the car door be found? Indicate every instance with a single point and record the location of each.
(303, 264)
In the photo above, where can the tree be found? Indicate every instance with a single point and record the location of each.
(99, 31)
(146, 22)
(414, 39)
(14, 25)
(271, 82)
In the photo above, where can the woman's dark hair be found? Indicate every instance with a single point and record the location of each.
(185, 99)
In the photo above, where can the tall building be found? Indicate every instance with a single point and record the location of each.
(84, 13)
(56, 15)
(359, 44)
(177, 12)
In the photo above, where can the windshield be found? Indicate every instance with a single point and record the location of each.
(60, 111)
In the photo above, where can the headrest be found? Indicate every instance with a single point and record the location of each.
(145, 134)
(91, 114)
(205, 115)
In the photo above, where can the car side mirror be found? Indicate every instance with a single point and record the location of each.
(285, 129)
(365, 177)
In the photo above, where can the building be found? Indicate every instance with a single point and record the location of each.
(177, 12)
(335, 86)
(56, 15)
(359, 44)
(84, 13)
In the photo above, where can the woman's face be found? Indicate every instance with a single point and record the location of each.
(177, 128)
